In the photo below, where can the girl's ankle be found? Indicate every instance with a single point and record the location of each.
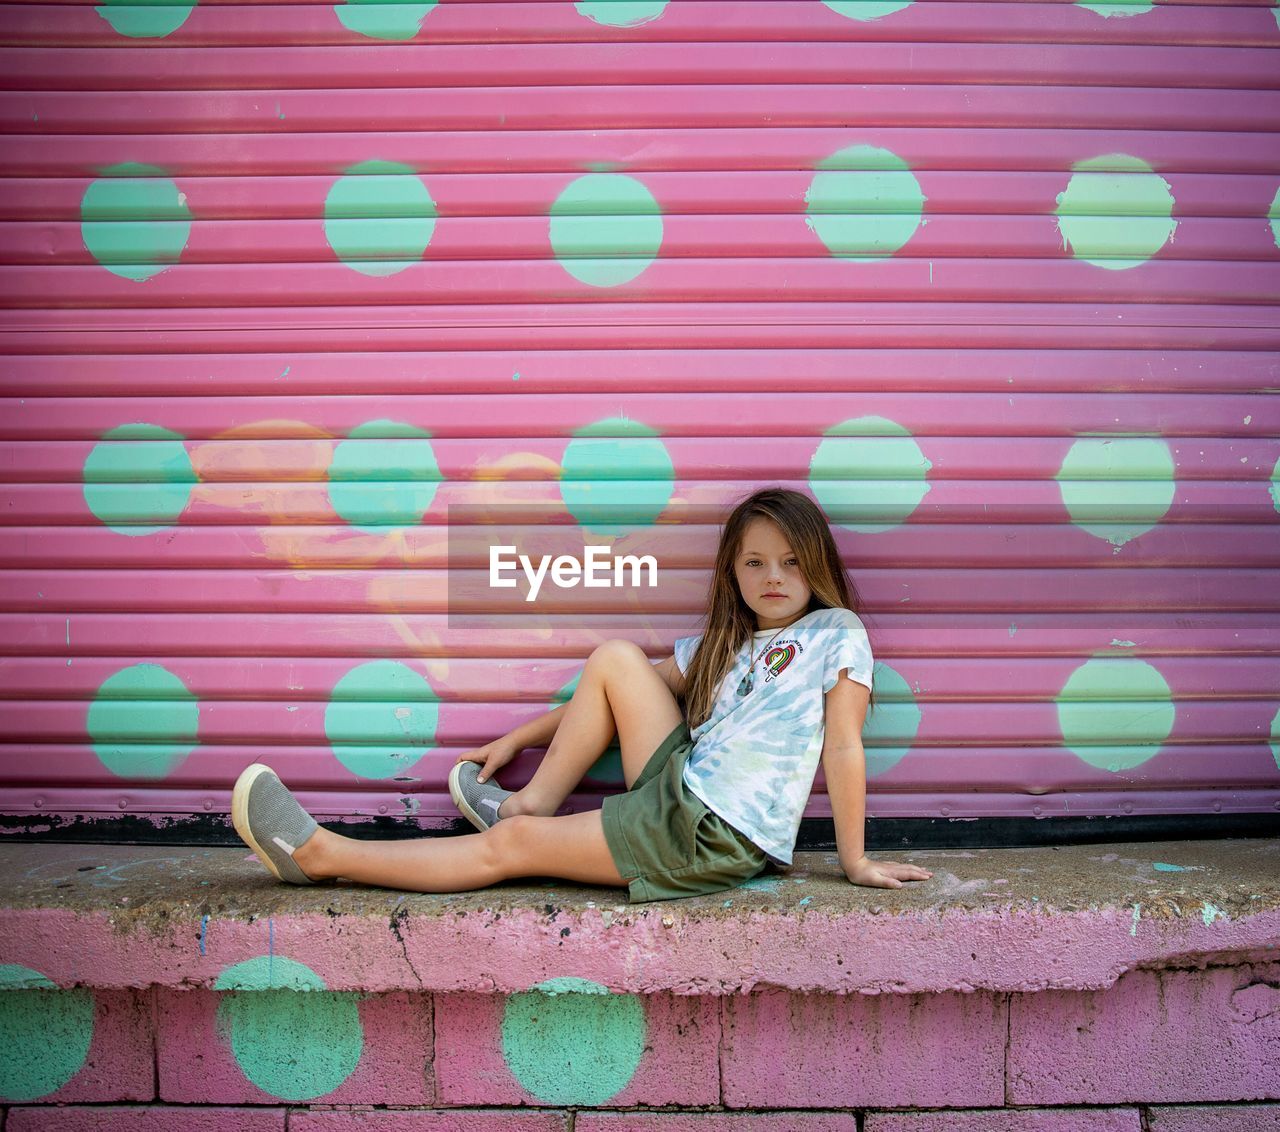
(310, 855)
(518, 804)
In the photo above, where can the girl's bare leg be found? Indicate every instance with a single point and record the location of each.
(572, 847)
(619, 692)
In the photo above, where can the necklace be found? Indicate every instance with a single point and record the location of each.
(748, 681)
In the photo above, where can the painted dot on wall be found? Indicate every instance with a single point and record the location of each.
(1117, 7)
(385, 474)
(622, 13)
(143, 722)
(870, 467)
(378, 19)
(1115, 712)
(864, 204)
(1275, 738)
(867, 9)
(607, 769)
(1273, 217)
(606, 228)
(572, 1041)
(379, 218)
(894, 722)
(1117, 488)
(290, 1036)
(144, 20)
(134, 220)
(608, 451)
(138, 479)
(381, 718)
(45, 1033)
(1115, 212)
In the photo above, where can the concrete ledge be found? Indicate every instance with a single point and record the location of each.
(1007, 920)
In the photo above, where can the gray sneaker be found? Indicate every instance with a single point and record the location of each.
(478, 801)
(271, 822)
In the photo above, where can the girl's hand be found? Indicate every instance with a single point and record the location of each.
(884, 874)
(494, 756)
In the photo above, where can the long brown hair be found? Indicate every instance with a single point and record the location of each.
(729, 622)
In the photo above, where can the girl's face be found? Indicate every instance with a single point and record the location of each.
(766, 566)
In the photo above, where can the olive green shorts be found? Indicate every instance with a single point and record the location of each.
(665, 841)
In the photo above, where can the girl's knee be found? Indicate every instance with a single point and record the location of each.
(510, 837)
(619, 651)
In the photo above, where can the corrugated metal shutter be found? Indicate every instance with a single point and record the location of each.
(290, 283)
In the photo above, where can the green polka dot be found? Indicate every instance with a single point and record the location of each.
(45, 1033)
(607, 769)
(866, 9)
(143, 722)
(138, 479)
(1275, 486)
(570, 1041)
(379, 19)
(1117, 488)
(1275, 738)
(290, 1036)
(1115, 212)
(868, 468)
(1115, 712)
(134, 221)
(606, 228)
(384, 475)
(379, 218)
(1118, 7)
(144, 20)
(381, 719)
(865, 204)
(1273, 215)
(894, 722)
(622, 13)
(616, 475)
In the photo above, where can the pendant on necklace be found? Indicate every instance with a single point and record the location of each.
(746, 685)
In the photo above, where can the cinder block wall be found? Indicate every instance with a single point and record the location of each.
(1178, 1050)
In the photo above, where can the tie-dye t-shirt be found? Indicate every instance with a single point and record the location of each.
(755, 757)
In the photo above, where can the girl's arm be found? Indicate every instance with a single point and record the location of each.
(844, 766)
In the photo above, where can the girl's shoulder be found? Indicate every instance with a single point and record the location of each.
(838, 619)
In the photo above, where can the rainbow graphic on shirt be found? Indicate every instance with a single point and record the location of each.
(777, 659)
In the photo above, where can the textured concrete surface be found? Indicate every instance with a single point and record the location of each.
(1071, 917)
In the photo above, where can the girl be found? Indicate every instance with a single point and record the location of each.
(780, 680)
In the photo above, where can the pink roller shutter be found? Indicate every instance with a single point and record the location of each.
(995, 283)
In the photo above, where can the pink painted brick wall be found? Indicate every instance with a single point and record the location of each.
(202, 1060)
(119, 1064)
(153, 1118)
(716, 1122)
(1154, 1036)
(479, 1120)
(1214, 1118)
(998, 1120)
(475, 1063)
(801, 1051)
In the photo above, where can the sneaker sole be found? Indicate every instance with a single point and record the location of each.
(455, 792)
(240, 812)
